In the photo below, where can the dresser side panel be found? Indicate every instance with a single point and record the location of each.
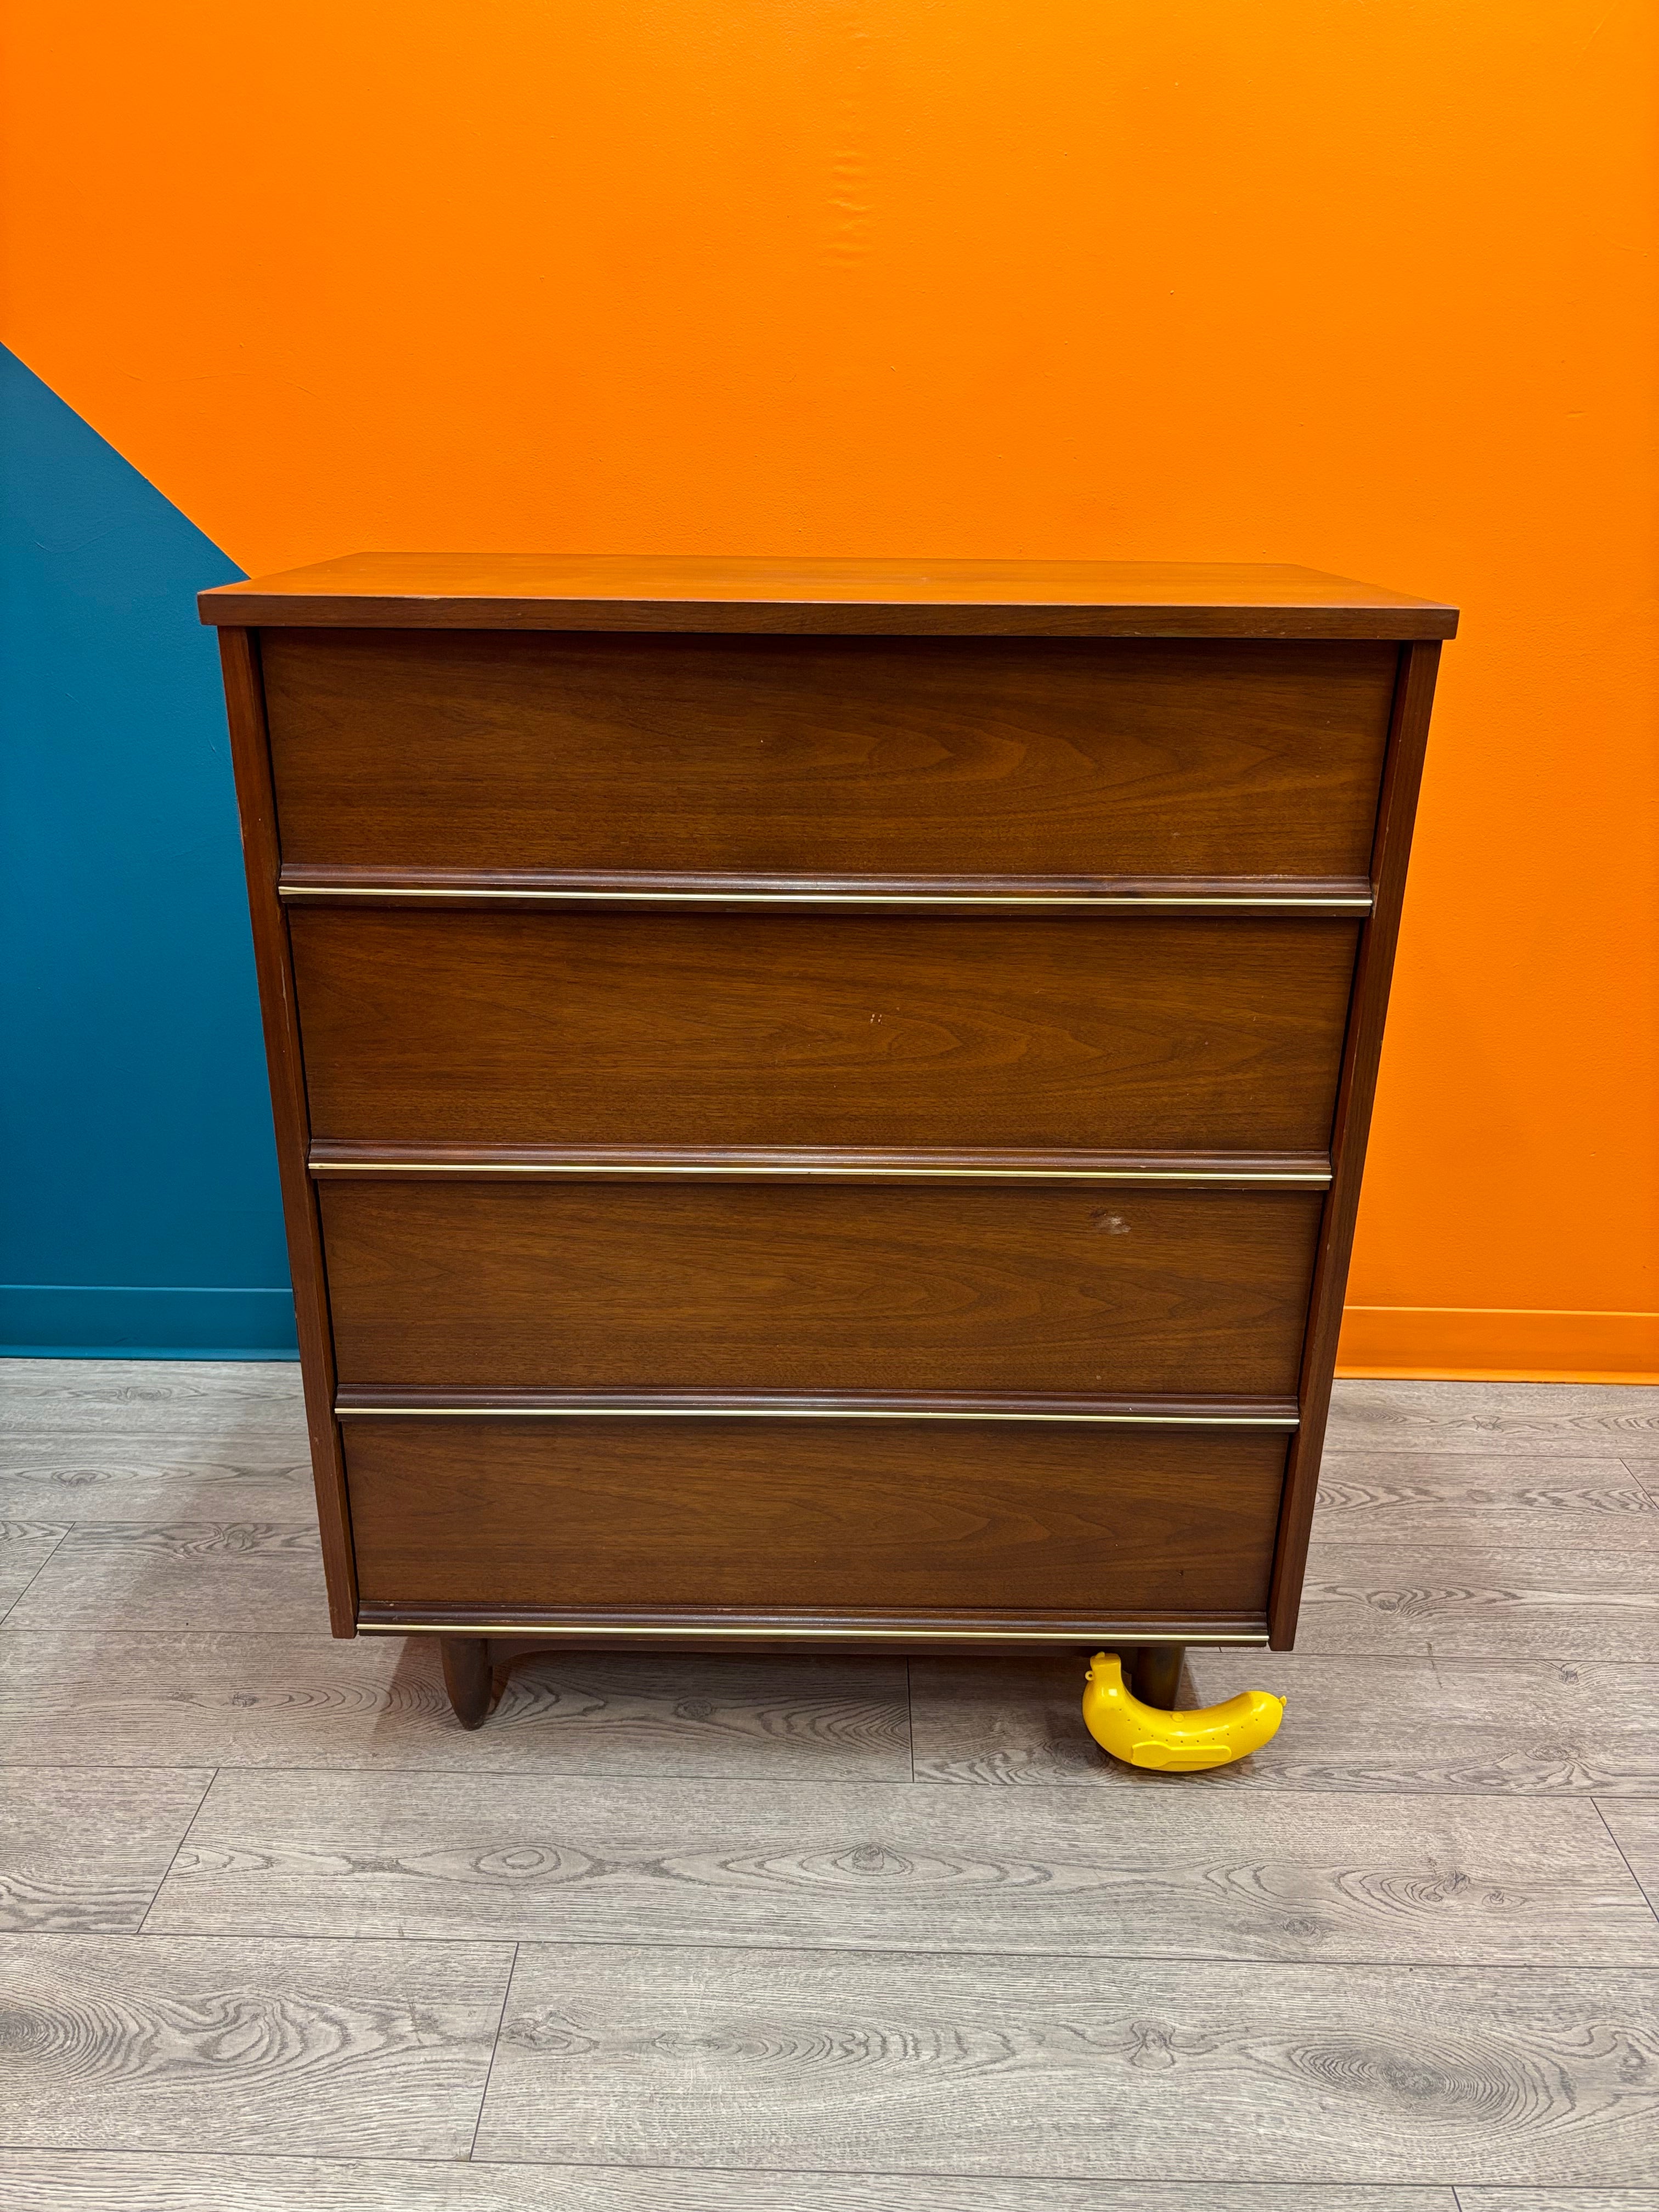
(1362, 1053)
(262, 858)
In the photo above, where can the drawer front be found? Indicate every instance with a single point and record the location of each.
(480, 750)
(1098, 1032)
(822, 1515)
(815, 1287)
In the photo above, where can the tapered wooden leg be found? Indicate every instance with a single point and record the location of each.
(1158, 1674)
(467, 1678)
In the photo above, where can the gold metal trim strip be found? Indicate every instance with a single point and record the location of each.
(1285, 1422)
(1277, 1178)
(520, 1628)
(414, 895)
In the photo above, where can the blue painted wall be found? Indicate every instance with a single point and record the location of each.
(140, 1213)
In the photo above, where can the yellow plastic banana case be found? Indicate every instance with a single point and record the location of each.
(1180, 1743)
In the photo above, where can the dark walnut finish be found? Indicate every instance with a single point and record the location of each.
(827, 1029)
(813, 1514)
(821, 1102)
(677, 596)
(826, 1287)
(801, 756)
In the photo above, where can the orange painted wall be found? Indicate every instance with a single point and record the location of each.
(1369, 284)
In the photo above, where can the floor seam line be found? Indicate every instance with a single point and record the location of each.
(1629, 1869)
(1504, 1662)
(1264, 1962)
(838, 2173)
(495, 2046)
(178, 1847)
(1269, 1792)
(1255, 1962)
(12, 1606)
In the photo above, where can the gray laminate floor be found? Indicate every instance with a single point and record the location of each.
(686, 1935)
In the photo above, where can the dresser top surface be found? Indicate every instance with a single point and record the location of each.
(1014, 598)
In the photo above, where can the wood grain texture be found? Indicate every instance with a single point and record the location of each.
(589, 591)
(888, 726)
(575, 1831)
(147, 2043)
(848, 1866)
(1477, 1603)
(1558, 2200)
(818, 1287)
(78, 1698)
(230, 1400)
(66, 2181)
(1049, 2066)
(1529, 1420)
(1511, 1728)
(762, 756)
(86, 1477)
(84, 1852)
(1402, 777)
(1494, 1500)
(180, 1575)
(819, 1515)
(262, 858)
(1102, 1033)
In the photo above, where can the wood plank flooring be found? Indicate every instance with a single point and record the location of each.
(92, 2181)
(680, 1934)
(898, 2062)
(830, 1866)
(137, 2043)
(82, 1852)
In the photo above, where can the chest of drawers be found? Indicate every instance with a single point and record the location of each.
(820, 1104)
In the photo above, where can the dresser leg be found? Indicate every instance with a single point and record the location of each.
(467, 1678)
(1158, 1674)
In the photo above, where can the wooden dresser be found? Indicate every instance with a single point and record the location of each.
(821, 1103)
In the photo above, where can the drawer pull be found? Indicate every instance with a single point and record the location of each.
(360, 1403)
(1283, 1170)
(591, 1628)
(1162, 895)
